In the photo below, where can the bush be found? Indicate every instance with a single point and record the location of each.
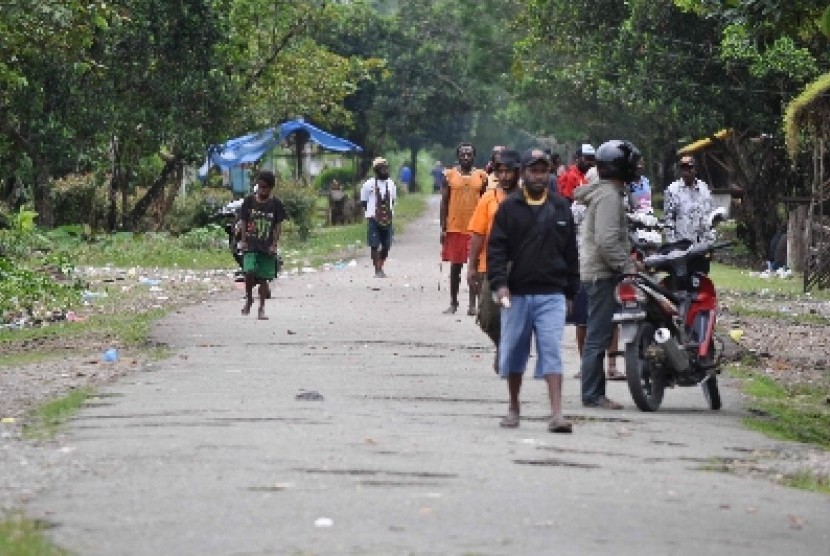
(80, 199)
(189, 213)
(300, 203)
(345, 176)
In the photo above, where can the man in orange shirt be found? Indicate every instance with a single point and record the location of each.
(460, 192)
(506, 168)
(575, 175)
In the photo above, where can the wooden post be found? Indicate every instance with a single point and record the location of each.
(797, 238)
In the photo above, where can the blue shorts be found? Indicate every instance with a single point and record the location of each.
(378, 236)
(529, 316)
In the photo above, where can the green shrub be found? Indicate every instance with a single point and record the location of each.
(323, 181)
(189, 213)
(300, 203)
(80, 199)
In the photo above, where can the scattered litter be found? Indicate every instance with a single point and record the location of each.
(309, 396)
(8, 420)
(322, 522)
(88, 295)
(111, 355)
(352, 263)
(149, 281)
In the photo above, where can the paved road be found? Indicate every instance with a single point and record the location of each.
(210, 452)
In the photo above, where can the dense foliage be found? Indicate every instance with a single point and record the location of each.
(132, 91)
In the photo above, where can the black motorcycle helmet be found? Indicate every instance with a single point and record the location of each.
(618, 160)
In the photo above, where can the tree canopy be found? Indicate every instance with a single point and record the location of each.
(132, 90)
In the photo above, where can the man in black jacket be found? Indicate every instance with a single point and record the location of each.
(532, 267)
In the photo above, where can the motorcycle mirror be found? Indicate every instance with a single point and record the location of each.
(716, 217)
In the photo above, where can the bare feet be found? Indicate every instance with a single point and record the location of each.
(246, 310)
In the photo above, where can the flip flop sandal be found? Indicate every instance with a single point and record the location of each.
(560, 425)
(615, 375)
(510, 421)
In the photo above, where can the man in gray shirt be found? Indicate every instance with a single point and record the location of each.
(604, 256)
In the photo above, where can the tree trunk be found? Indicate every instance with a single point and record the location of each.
(797, 238)
(43, 198)
(413, 164)
(155, 190)
(112, 194)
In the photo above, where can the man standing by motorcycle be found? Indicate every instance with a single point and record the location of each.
(604, 256)
(687, 204)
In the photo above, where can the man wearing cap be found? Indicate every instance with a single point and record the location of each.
(490, 168)
(534, 236)
(506, 168)
(460, 192)
(378, 195)
(575, 175)
(687, 204)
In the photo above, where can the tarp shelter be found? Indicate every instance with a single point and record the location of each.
(251, 147)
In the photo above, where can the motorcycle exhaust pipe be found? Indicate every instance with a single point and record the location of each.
(677, 357)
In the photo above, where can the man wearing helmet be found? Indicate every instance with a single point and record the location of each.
(604, 256)
(506, 168)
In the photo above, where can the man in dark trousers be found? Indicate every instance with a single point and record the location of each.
(605, 256)
(533, 236)
(261, 216)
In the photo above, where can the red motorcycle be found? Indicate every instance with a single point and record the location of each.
(667, 326)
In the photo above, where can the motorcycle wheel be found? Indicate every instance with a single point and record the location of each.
(237, 256)
(646, 388)
(711, 392)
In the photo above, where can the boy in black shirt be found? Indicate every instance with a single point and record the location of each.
(262, 217)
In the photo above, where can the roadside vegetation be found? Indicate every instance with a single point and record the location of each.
(789, 404)
(44, 278)
(24, 537)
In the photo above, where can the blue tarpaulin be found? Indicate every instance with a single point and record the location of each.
(250, 148)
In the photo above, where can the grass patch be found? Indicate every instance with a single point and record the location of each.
(741, 310)
(807, 481)
(798, 412)
(46, 420)
(736, 279)
(24, 537)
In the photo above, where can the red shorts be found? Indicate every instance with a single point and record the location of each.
(456, 248)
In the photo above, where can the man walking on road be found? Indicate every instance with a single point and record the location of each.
(506, 168)
(460, 192)
(261, 216)
(378, 195)
(605, 255)
(533, 233)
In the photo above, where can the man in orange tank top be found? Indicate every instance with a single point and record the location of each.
(460, 192)
(507, 168)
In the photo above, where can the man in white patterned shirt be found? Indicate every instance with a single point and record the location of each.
(687, 204)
